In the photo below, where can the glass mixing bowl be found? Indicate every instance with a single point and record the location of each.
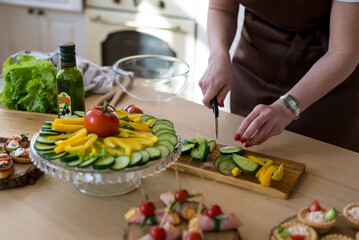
(151, 78)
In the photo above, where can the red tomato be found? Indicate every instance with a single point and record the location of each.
(5, 159)
(158, 233)
(297, 237)
(147, 208)
(314, 206)
(101, 121)
(133, 109)
(6, 167)
(16, 138)
(26, 154)
(181, 195)
(193, 236)
(213, 210)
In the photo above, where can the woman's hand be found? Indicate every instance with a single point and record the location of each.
(217, 79)
(263, 123)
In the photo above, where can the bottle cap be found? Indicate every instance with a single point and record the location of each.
(67, 52)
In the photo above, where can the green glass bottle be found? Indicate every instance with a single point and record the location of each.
(70, 83)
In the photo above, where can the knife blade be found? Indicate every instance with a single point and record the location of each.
(216, 114)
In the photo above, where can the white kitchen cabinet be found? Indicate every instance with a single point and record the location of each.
(37, 29)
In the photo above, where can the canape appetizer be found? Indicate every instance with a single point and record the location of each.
(336, 237)
(351, 213)
(6, 165)
(192, 235)
(18, 148)
(295, 231)
(180, 203)
(167, 232)
(215, 220)
(321, 219)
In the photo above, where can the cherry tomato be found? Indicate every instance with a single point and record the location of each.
(181, 195)
(193, 236)
(6, 167)
(101, 121)
(26, 154)
(314, 206)
(16, 138)
(158, 233)
(147, 208)
(133, 109)
(297, 237)
(213, 210)
(5, 159)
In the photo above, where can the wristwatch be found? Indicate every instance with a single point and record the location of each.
(292, 104)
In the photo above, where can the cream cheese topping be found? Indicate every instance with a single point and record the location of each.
(3, 155)
(354, 212)
(315, 217)
(13, 144)
(298, 230)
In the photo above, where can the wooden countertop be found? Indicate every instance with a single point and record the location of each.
(54, 209)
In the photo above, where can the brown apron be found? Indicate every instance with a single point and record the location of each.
(280, 42)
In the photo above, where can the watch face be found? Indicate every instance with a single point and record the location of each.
(292, 103)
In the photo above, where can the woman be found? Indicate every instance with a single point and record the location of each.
(306, 51)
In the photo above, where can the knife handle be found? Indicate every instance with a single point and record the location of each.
(215, 107)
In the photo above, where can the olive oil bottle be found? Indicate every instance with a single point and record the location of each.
(70, 83)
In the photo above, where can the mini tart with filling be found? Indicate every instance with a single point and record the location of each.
(312, 235)
(351, 220)
(319, 227)
(337, 237)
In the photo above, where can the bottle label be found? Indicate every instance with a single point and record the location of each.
(64, 105)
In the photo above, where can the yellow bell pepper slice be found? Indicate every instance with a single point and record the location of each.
(123, 135)
(148, 123)
(236, 171)
(135, 118)
(152, 138)
(71, 121)
(121, 113)
(134, 145)
(62, 136)
(60, 127)
(265, 182)
(80, 134)
(110, 150)
(119, 143)
(91, 139)
(123, 123)
(145, 141)
(140, 127)
(139, 133)
(109, 143)
(255, 159)
(264, 168)
(278, 174)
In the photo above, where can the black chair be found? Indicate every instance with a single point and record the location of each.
(128, 43)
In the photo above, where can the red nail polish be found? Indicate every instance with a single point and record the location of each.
(237, 137)
(221, 104)
(243, 140)
(247, 145)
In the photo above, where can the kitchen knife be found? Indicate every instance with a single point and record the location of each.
(216, 114)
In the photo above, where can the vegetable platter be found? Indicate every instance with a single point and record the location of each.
(208, 168)
(105, 151)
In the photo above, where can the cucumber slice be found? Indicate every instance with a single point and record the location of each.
(44, 147)
(201, 139)
(212, 145)
(136, 158)
(157, 127)
(146, 117)
(245, 164)
(163, 121)
(74, 163)
(331, 214)
(57, 156)
(46, 152)
(203, 150)
(48, 123)
(104, 163)
(45, 140)
(46, 134)
(69, 158)
(187, 148)
(157, 133)
(231, 150)
(195, 154)
(155, 153)
(226, 166)
(145, 156)
(80, 113)
(164, 150)
(168, 144)
(88, 162)
(168, 136)
(191, 140)
(121, 162)
(221, 158)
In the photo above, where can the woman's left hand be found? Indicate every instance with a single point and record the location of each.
(263, 123)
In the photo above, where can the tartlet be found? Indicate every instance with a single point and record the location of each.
(319, 227)
(312, 235)
(337, 237)
(351, 220)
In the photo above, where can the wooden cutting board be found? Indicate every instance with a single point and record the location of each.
(134, 232)
(293, 172)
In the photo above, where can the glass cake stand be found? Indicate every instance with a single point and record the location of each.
(102, 183)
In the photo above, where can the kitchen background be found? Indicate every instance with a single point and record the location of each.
(100, 28)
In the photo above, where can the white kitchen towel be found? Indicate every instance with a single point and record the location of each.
(97, 79)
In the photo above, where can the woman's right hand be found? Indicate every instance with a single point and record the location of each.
(217, 79)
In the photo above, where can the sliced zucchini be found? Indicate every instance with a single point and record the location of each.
(157, 127)
(164, 150)
(245, 164)
(136, 158)
(69, 158)
(57, 156)
(104, 163)
(203, 150)
(212, 145)
(154, 153)
(165, 130)
(226, 166)
(231, 150)
(163, 121)
(121, 162)
(74, 163)
(221, 158)
(80, 113)
(168, 144)
(187, 148)
(145, 156)
(44, 147)
(45, 140)
(88, 162)
(168, 136)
